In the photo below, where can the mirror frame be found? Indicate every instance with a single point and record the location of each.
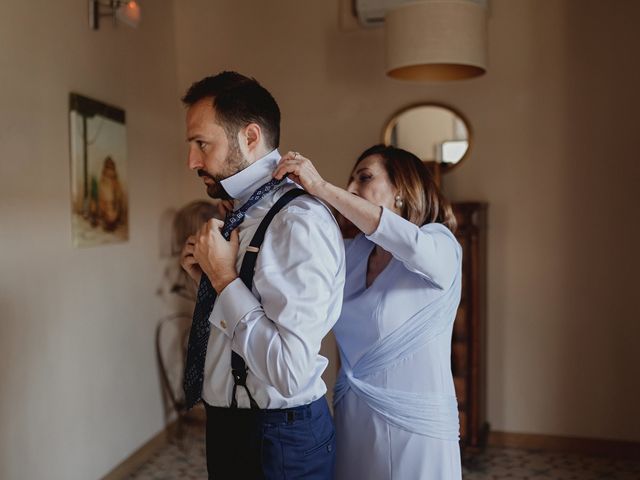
(393, 120)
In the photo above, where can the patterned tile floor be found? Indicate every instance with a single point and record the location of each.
(185, 460)
(181, 459)
(517, 464)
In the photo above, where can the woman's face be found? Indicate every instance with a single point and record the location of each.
(369, 180)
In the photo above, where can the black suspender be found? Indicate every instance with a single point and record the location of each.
(239, 368)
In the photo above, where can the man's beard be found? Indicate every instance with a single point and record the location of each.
(234, 162)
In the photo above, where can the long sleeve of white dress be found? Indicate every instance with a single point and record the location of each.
(431, 251)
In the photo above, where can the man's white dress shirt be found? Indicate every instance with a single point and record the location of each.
(278, 325)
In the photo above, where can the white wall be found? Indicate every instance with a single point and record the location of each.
(554, 156)
(554, 123)
(78, 384)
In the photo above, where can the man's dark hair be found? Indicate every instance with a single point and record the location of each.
(238, 101)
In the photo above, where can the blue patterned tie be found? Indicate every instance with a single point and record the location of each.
(200, 326)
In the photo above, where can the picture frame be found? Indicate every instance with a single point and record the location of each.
(99, 191)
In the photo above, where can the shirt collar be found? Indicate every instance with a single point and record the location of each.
(241, 185)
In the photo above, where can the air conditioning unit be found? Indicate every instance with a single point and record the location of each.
(371, 13)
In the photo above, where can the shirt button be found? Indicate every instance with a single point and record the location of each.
(223, 324)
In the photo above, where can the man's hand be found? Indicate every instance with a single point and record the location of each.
(215, 255)
(188, 261)
(225, 207)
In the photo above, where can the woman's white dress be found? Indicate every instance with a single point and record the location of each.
(425, 266)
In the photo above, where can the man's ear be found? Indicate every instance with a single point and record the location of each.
(252, 136)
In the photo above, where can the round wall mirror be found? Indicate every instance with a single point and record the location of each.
(434, 132)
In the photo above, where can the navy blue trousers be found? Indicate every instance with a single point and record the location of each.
(294, 443)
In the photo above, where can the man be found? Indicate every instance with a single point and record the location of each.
(273, 420)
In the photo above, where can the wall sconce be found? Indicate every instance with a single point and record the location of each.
(122, 11)
(437, 40)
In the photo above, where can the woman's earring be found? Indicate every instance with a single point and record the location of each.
(399, 202)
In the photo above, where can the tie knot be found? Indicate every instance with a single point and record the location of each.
(235, 218)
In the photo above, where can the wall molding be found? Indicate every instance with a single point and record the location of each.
(586, 446)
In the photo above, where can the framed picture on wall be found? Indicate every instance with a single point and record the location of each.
(99, 198)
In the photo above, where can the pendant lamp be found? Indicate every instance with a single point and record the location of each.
(437, 40)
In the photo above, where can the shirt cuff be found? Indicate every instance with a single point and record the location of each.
(384, 230)
(231, 306)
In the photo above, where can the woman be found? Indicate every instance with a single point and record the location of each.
(183, 223)
(395, 408)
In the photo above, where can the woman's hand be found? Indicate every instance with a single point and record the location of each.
(301, 171)
(215, 255)
(364, 215)
(188, 261)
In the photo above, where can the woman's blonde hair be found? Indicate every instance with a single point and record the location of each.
(422, 200)
(189, 219)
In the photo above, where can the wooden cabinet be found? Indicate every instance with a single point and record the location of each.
(468, 342)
